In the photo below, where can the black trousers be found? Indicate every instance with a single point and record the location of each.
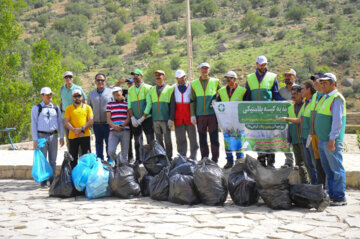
(147, 127)
(84, 143)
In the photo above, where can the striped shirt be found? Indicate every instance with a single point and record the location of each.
(118, 110)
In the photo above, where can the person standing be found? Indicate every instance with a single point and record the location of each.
(46, 122)
(263, 86)
(295, 111)
(203, 91)
(163, 103)
(139, 111)
(66, 98)
(314, 138)
(118, 119)
(330, 127)
(98, 100)
(78, 119)
(130, 83)
(182, 116)
(231, 92)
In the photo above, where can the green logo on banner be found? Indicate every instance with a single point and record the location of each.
(221, 107)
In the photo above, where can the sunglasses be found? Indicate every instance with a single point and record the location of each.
(76, 96)
(68, 77)
(100, 80)
(136, 75)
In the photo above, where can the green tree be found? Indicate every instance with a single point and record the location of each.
(252, 23)
(46, 68)
(122, 38)
(175, 63)
(212, 25)
(112, 62)
(296, 13)
(274, 11)
(15, 93)
(208, 8)
(147, 43)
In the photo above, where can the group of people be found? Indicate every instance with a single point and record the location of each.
(316, 119)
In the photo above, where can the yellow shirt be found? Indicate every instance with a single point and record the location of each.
(78, 117)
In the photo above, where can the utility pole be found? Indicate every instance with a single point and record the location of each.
(190, 75)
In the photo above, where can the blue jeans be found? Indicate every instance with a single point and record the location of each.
(334, 169)
(101, 133)
(310, 162)
(230, 158)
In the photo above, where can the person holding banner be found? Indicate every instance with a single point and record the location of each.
(330, 127)
(263, 86)
(182, 116)
(203, 92)
(231, 92)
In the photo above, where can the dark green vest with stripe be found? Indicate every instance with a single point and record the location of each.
(161, 103)
(138, 101)
(306, 120)
(261, 91)
(314, 108)
(324, 117)
(238, 94)
(205, 96)
(295, 129)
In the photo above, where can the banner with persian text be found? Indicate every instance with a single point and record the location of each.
(253, 125)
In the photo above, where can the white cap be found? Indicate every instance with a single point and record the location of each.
(204, 64)
(261, 60)
(76, 91)
(46, 91)
(290, 72)
(116, 89)
(68, 73)
(231, 74)
(180, 73)
(328, 76)
(160, 71)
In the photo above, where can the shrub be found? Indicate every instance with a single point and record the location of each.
(175, 63)
(280, 35)
(274, 11)
(146, 43)
(114, 25)
(296, 13)
(252, 23)
(320, 25)
(208, 8)
(220, 67)
(348, 92)
(212, 25)
(258, 42)
(349, 10)
(155, 23)
(172, 29)
(111, 7)
(243, 45)
(234, 28)
(122, 38)
(139, 28)
(350, 105)
(168, 45)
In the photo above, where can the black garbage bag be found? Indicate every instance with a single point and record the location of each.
(144, 185)
(242, 187)
(309, 196)
(63, 186)
(155, 158)
(182, 190)
(123, 182)
(183, 166)
(159, 186)
(210, 183)
(272, 184)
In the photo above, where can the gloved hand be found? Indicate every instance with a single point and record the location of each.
(281, 118)
(193, 120)
(134, 121)
(308, 141)
(141, 120)
(170, 124)
(212, 103)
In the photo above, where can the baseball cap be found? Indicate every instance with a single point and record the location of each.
(130, 80)
(180, 73)
(290, 72)
(204, 64)
(328, 76)
(116, 89)
(46, 91)
(231, 74)
(317, 75)
(261, 60)
(76, 91)
(160, 71)
(137, 72)
(68, 73)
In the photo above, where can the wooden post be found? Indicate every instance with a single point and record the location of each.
(190, 75)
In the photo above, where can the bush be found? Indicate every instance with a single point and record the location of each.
(175, 63)
(348, 92)
(234, 28)
(122, 38)
(349, 10)
(296, 13)
(172, 29)
(274, 11)
(356, 86)
(123, 15)
(343, 54)
(258, 42)
(320, 25)
(280, 35)
(350, 105)
(168, 45)
(220, 67)
(147, 43)
(111, 7)
(243, 45)
(139, 28)
(43, 20)
(212, 25)
(207, 8)
(78, 8)
(252, 23)
(114, 25)
(155, 23)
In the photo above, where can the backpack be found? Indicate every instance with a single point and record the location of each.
(53, 107)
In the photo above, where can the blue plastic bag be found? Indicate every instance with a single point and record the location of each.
(82, 170)
(97, 185)
(41, 169)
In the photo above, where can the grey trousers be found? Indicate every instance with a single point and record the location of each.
(300, 162)
(289, 159)
(50, 152)
(116, 137)
(163, 133)
(180, 132)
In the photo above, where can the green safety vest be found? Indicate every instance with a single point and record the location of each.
(238, 94)
(261, 91)
(138, 101)
(161, 104)
(306, 121)
(323, 119)
(295, 129)
(204, 97)
(314, 108)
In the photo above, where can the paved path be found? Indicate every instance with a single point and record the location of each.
(27, 212)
